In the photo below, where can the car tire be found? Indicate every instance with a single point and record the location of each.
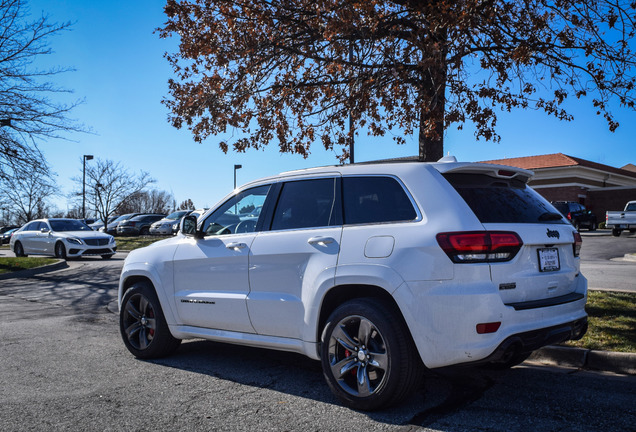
(593, 226)
(142, 324)
(107, 257)
(616, 232)
(144, 231)
(18, 250)
(367, 355)
(60, 251)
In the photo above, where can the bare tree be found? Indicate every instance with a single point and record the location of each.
(186, 205)
(27, 113)
(109, 184)
(27, 191)
(153, 201)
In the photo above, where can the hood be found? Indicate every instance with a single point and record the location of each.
(82, 234)
(150, 252)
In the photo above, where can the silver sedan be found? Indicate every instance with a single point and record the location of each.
(62, 238)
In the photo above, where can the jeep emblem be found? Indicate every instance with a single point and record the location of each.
(554, 234)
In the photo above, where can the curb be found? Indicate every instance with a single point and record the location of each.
(61, 264)
(630, 257)
(617, 362)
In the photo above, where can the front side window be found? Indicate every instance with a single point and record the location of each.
(307, 204)
(31, 226)
(235, 216)
(375, 200)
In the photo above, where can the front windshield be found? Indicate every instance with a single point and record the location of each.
(69, 225)
(176, 215)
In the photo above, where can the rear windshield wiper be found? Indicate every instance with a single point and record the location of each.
(550, 216)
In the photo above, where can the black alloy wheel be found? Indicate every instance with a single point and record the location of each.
(142, 324)
(367, 355)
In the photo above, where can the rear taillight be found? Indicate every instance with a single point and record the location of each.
(578, 242)
(480, 246)
(569, 216)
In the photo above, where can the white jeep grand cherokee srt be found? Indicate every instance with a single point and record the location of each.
(376, 270)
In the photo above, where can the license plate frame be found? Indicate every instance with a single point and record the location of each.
(549, 260)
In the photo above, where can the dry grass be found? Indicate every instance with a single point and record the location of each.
(612, 321)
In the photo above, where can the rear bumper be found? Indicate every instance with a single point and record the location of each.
(443, 319)
(527, 342)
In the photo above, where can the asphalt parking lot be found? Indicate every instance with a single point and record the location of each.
(64, 367)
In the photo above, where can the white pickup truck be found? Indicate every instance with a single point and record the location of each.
(622, 220)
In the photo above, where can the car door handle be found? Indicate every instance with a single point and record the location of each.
(236, 245)
(320, 240)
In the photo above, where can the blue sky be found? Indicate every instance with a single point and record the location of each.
(122, 76)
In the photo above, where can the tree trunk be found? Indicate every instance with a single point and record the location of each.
(431, 136)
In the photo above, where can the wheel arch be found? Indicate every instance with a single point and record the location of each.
(134, 272)
(127, 282)
(343, 293)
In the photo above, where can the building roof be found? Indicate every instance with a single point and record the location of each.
(557, 160)
(629, 167)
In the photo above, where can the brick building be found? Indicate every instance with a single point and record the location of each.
(559, 177)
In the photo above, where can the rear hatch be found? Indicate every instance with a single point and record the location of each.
(544, 269)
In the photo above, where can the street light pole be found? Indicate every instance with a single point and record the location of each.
(236, 167)
(86, 157)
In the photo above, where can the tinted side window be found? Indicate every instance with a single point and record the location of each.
(306, 204)
(31, 226)
(495, 200)
(374, 200)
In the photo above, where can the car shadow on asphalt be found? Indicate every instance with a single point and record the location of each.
(441, 394)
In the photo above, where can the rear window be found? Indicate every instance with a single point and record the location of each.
(495, 200)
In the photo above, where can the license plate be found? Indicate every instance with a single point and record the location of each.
(549, 259)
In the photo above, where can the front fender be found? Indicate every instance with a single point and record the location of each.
(143, 270)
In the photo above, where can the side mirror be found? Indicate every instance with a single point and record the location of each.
(44, 230)
(189, 226)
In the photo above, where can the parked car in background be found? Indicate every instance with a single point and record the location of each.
(112, 226)
(138, 225)
(166, 226)
(62, 238)
(7, 228)
(6, 236)
(376, 270)
(577, 214)
(618, 221)
(196, 213)
(95, 226)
